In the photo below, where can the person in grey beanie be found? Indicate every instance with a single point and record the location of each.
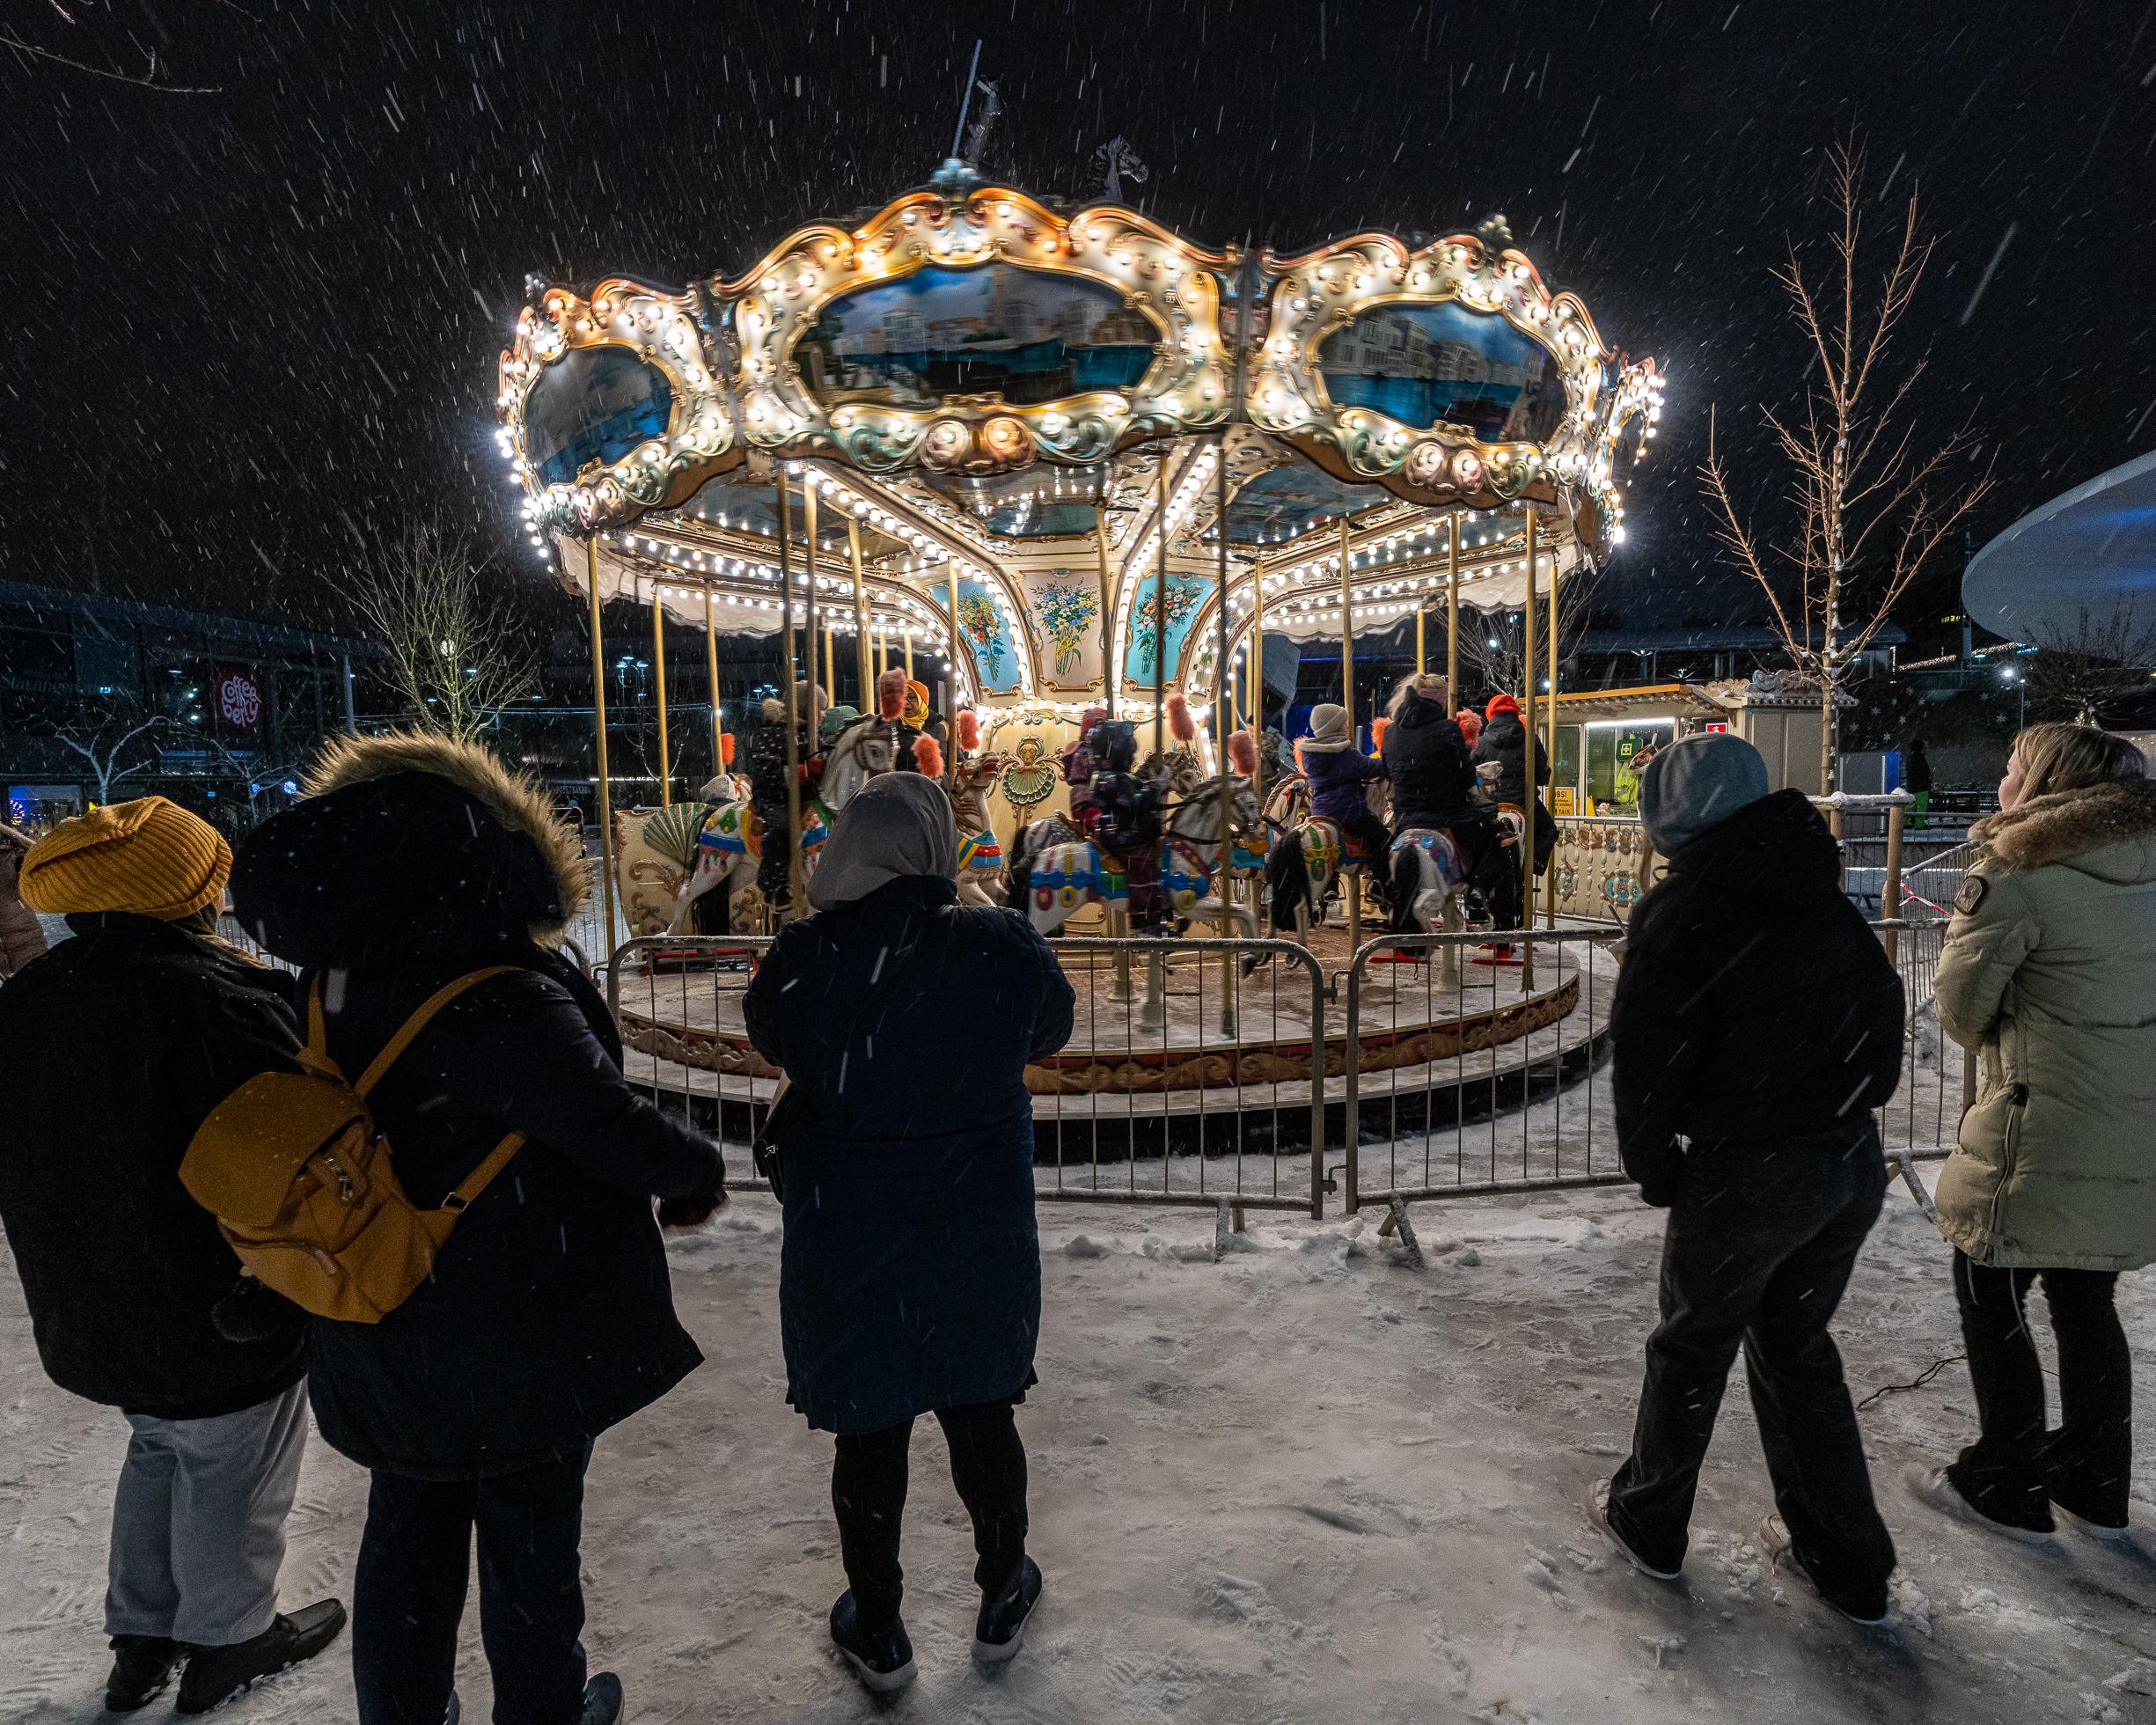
(1756, 1024)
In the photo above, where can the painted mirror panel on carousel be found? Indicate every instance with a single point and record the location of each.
(1428, 366)
(1186, 596)
(998, 329)
(1063, 608)
(1041, 502)
(595, 404)
(983, 621)
(1286, 501)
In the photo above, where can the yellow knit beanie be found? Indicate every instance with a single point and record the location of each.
(146, 858)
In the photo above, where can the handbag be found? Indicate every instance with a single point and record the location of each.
(765, 1149)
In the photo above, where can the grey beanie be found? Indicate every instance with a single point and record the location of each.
(1698, 782)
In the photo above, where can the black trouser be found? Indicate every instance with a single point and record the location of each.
(408, 1593)
(1375, 837)
(1760, 1241)
(774, 856)
(2016, 1469)
(867, 1490)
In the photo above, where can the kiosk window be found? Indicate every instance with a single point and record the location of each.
(1612, 752)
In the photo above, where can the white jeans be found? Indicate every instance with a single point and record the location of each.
(198, 1522)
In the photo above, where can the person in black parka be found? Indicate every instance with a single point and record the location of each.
(1433, 786)
(1756, 1024)
(910, 1279)
(1503, 739)
(549, 1318)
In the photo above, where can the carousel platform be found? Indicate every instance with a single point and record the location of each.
(1229, 1059)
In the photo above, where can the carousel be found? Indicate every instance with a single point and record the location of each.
(1043, 486)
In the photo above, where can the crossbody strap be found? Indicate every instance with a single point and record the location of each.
(478, 1180)
(411, 1026)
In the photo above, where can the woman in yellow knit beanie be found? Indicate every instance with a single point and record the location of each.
(150, 857)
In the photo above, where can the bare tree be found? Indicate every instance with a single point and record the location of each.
(1493, 645)
(112, 746)
(452, 648)
(2078, 673)
(1868, 503)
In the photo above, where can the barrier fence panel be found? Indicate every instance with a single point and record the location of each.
(1493, 1080)
(1187, 1080)
(1194, 1074)
(1502, 1084)
(676, 1003)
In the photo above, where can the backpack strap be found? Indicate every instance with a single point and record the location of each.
(313, 1055)
(478, 1180)
(412, 1027)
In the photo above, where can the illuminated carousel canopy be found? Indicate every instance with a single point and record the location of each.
(975, 388)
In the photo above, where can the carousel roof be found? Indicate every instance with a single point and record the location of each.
(1052, 408)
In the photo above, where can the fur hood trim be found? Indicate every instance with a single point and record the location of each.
(514, 799)
(2066, 824)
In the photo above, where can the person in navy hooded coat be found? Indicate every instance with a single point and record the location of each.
(910, 1279)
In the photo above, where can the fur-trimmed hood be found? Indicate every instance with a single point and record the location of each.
(2107, 830)
(408, 845)
(515, 799)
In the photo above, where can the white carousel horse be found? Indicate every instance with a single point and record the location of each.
(980, 854)
(1431, 877)
(670, 858)
(1305, 869)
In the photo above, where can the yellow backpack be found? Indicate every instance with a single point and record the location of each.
(302, 1185)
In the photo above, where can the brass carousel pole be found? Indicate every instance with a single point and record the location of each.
(658, 669)
(1223, 716)
(711, 671)
(1452, 612)
(599, 723)
(1254, 677)
(951, 682)
(1549, 885)
(1160, 615)
(807, 633)
(1352, 882)
(1526, 836)
(861, 670)
(1100, 547)
(786, 692)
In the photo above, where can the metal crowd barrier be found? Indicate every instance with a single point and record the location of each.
(1501, 1086)
(1215, 1098)
(1233, 1075)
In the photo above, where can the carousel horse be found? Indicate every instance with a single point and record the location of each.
(1303, 871)
(980, 855)
(669, 859)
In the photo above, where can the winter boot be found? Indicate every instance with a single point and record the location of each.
(2111, 1535)
(214, 1675)
(882, 1658)
(1001, 1627)
(1597, 1508)
(142, 1666)
(602, 1700)
(1934, 1487)
(1868, 1610)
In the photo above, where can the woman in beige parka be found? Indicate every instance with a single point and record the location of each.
(2048, 971)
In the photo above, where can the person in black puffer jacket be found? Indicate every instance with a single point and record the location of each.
(548, 1317)
(1503, 739)
(910, 1281)
(1433, 783)
(1756, 1024)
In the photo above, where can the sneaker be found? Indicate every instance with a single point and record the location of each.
(1931, 1487)
(1781, 1549)
(214, 1675)
(142, 1666)
(2120, 1535)
(882, 1658)
(1597, 1507)
(1001, 1627)
(602, 1700)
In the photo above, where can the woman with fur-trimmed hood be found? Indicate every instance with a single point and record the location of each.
(413, 860)
(2049, 973)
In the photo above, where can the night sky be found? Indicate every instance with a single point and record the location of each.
(247, 322)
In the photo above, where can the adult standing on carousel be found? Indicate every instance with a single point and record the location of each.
(910, 1278)
(2048, 972)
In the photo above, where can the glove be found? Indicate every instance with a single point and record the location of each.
(692, 1212)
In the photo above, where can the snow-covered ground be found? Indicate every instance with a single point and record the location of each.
(1305, 1483)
